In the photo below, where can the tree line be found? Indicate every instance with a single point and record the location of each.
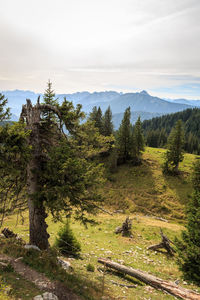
(128, 141)
(157, 130)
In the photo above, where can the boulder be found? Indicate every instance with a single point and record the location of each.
(46, 296)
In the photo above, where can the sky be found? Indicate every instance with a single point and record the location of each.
(98, 45)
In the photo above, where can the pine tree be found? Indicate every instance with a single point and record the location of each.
(49, 95)
(107, 122)
(60, 175)
(124, 137)
(174, 154)
(49, 98)
(4, 112)
(97, 118)
(66, 242)
(138, 142)
(189, 247)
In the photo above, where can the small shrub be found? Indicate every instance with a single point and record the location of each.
(90, 268)
(66, 242)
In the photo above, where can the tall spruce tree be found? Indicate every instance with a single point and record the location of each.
(174, 154)
(97, 118)
(189, 247)
(124, 138)
(138, 142)
(107, 122)
(59, 175)
(49, 98)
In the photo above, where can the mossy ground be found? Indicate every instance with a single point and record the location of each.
(141, 192)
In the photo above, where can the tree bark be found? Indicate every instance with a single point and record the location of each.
(37, 215)
(155, 282)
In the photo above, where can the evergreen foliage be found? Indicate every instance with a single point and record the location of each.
(97, 118)
(189, 247)
(138, 143)
(4, 112)
(49, 98)
(14, 155)
(107, 122)
(157, 129)
(49, 95)
(174, 154)
(66, 242)
(124, 138)
(51, 170)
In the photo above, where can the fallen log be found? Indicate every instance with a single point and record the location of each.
(153, 281)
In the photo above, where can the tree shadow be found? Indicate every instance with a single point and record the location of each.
(122, 276)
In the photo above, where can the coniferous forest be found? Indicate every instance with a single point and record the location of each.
(156, 130)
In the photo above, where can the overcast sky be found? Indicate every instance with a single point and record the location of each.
(98, 45)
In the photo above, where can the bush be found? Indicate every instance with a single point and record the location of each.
(66, 242)
(90, 268)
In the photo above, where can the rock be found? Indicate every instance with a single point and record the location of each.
(118, 211)
(49, 296)
(32, 247)
(65, 264)
(108, 252)
(46, 296)
(38, 297)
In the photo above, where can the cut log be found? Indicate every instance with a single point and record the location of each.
(153, 281)
(165, 243)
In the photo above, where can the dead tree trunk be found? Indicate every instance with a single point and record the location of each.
(165, 243)
(155, 282)
(125, 229)
(31, 115)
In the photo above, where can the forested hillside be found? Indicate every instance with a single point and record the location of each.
(157, 129)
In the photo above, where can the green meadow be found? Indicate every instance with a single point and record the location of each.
(144, 194)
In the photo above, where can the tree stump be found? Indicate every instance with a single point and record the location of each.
(125, 229)
(165, 243)
(8, 233)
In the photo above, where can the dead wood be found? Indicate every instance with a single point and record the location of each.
(165, 243)
(153, 281)
(8, 233)
(125, 229)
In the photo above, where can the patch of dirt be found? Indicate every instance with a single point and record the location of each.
(40, 280)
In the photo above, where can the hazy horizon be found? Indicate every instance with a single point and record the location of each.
(125, 46)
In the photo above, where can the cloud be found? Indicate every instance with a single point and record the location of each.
(95, 44)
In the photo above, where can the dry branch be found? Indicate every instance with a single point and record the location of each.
(165, 243)
(153, 281)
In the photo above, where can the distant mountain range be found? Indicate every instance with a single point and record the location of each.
(141, 103)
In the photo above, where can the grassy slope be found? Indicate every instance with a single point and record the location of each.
(137, 189)
(145, 189)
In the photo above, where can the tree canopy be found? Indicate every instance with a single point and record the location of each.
(52, 168)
